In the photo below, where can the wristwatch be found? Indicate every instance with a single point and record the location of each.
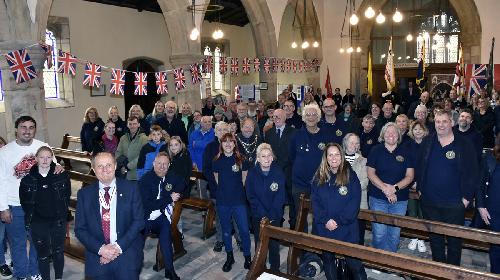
(396, 187)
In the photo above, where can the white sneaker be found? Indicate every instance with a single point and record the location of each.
(36, 277)
(421, 246)
(376, 271)
(413, 244)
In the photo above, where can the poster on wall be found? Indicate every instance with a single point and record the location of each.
(247, 92)
(440, 86)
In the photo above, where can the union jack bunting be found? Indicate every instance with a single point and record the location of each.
(294, 66)
(283, 65)
(245, 68)
(301, 66)
(141, 83)
(48, 54)
(92, 76)
(21, 66)
(66, 63)
(475, 78)
(223, 65)
(208, 64)
(117, 81)
(256, 64)
(180, 79)
(288, 65)
(161, 83)
(195, 73)
(267, 65)
(234, 66)
(276, 64)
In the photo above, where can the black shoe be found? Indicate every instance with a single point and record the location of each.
(218, 246)
(5, 272)
(248, 262)
(170, 274)
(228, 265)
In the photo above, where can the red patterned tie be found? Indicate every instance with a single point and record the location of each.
(105, 216)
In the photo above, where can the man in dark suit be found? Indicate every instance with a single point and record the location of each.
(109, 220)
(409, 96)
(278, 137)
(160, 189)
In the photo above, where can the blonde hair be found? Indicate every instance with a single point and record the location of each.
(178, 139)
(323, 173)
(135, 106)
(384, 129)
(261, 148)
(86, 116)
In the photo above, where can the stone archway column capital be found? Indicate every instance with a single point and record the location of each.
(185, 59)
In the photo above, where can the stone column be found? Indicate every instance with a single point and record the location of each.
(271, 79)
(26, 98)
(191, 93)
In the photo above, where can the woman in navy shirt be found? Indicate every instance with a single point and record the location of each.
(230, 173)
(390, 170)
(335, 199)
(265, 188)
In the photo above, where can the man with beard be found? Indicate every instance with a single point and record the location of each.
(465, 128)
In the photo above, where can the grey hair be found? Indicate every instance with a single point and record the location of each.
(346, 138)
(421, 107)
(384, 129)
(220, 124)
(261, 147)
(313, 106)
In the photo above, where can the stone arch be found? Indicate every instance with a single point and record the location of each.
(470, 35)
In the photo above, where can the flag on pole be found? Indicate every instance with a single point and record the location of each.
(369, 75)
(390, 77)
(420, 81)
(328, 84)
(458, 80)
(490, 68)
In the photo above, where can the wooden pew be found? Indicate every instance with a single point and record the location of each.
(67, 156)
(408, 265)
(76, 250)
(473, 238)
(67, 139)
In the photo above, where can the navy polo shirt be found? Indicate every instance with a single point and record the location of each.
(368, 141)
(305, 151)
(390, 168)
(230, 191)
(442, 181)
(337, 130)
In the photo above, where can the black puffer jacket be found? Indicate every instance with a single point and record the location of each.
(44, 198)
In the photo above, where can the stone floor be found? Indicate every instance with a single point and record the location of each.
(201, 262)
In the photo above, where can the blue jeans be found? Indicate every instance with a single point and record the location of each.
(24, 264)
(386, 237)
(239, 214)
(162, 227)
(2, 247)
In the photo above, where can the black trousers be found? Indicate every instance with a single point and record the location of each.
(48, 238)
(451, 215)
(354, 266)
(274, 245)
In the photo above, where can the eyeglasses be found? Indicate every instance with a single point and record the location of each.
(311, 114)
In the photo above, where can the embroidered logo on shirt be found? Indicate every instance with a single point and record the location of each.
(369, 142)
(450, 154)
(96, 128)
(343, 190)
(168, 187)
(274, 186)
(235, 168)
(400, 158)
(321, 146)
(338, 132)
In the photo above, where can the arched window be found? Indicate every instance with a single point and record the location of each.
(50, 77)
(434, 23)
(215, 80)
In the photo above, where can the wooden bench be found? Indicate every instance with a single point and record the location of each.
(407, 265)
(67, 156)
(67, 139)
(473, 238)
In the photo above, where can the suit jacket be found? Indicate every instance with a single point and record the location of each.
(129, 224)
(280, 148)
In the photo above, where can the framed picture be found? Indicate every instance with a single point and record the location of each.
(101, 91)
(263, 86)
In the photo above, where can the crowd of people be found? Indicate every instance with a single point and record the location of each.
(344, 152)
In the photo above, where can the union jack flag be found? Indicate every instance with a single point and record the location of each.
(245, 68)
(161, 83)
(67, 63)
(294, 66)
(195, 73)
(475, 78)
(256, 64)
(283, 65)
(141, 83)
(117, 81)
(21, 66)
(92, 76)
(276, 65)
(288, 65)
(180, 79)
(234, 66)
(48, 54)
(208, 64)
(223, 65)
(267, 65)
(301, 66)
